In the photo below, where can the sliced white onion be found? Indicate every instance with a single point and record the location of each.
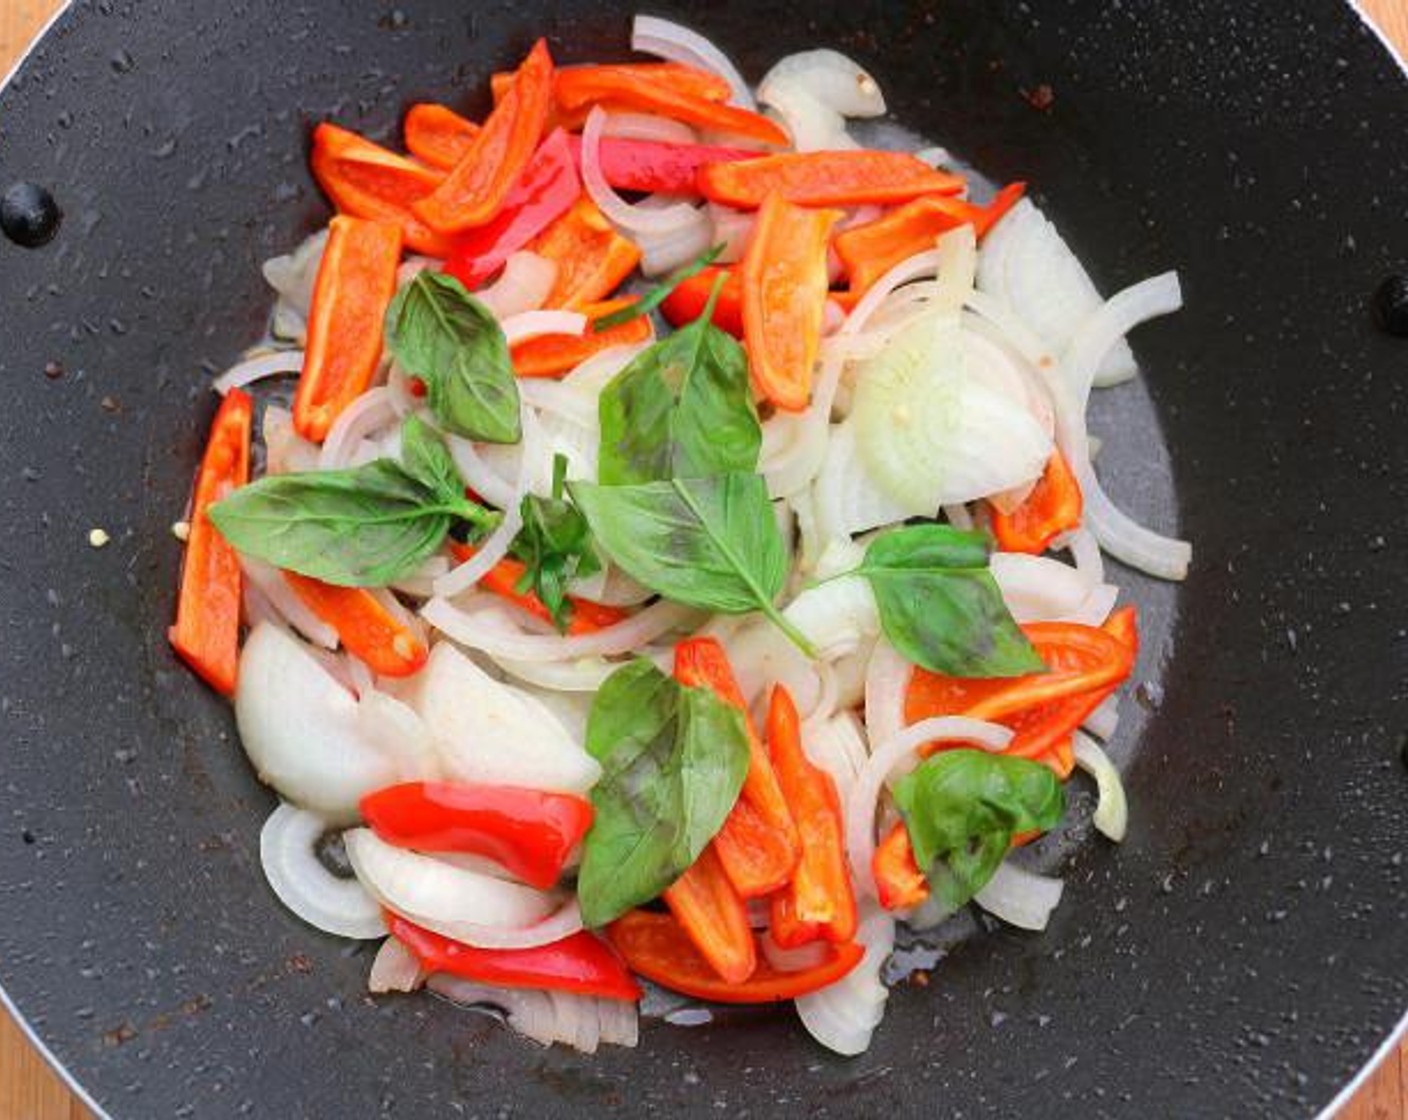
(532, 324)
(664, 252)
(1112, 810)
(373, 410)
(421, 582)
(1096, 607)
(255, 369)
(1108, 324)
(811, 125)
(732, 229)
(896, 756)
(849, 671)
(284, 449)
(524, 285)
(395, 969)
(624, 637)
(293, 275)
(1085, 551)
(479, 475)
(292, 610)
(547, 1017)
(843, 1015)
(586, 674)
(647, 126)
(838, 745)
(887, 680)
(337, 906)
(1038, 588)
(1019, 897)
(633, 219)
(1104, 720)
(495, 547)
(957, 515)
(837, 615)
(560, 399)
(793, 960)
(665, 39)
(833, 79)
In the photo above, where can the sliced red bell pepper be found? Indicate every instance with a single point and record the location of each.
(758, 843)
(503, 579)
(1087, 663)
(656, 947)
(784, 299)
(530, 832)
(547, 189)
(592, 259)
(690, 297)
(630, 87)
(364, 626)
(552, 355)
(1053, 506)
(474, 191)
(437, 135)
(818, 901)
(871, 250)
(684, 78)
(206, 633)
(367, 181)
(712, 913)
(655, 167)
(845, 178)
(356, 281)
(899, 884)
(582, 963)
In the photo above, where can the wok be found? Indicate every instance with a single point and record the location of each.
(1241, 954)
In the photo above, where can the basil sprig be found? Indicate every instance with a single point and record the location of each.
(555, 545)
(940, 606)
(673, 761)
(711, 543)
(661, 292)
(962, 808)
(447, 338)
(363, 527)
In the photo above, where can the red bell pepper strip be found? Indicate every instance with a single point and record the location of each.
(1053, 506)
(356, 281)
(473, 192)
(818, 901)
(847, 178)
(552, 355)
(1087, 663)
(656, 947)
(582, 963)
(784, 299)
(437, 135)
(207, 630)
(690, 297)
(871, 250)
(366, 181)
(899, 884)
(684, 78)
(503, 579)
(629, 87)
(592, 259)
(547, 189)
(364, 626)
(655, 167)
(714, 916)
(529, 832)
(758, 843)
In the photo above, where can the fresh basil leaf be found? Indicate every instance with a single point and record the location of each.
(661, 292)
(555, 545)
(962, 808)
(426, 459)
(940, 606)
(682, 409)
(673, 761)
(706, 542)
(443, 335)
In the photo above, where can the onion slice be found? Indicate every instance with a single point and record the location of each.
(337, 906)
(633, 219)
(395, 969)
(1112, 810)
(1019, 897)
(665, 39)
(255, 369)
(374, 409)
(532, 324)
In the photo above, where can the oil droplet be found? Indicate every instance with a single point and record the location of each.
(29, 216)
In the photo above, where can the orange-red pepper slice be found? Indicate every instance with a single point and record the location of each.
(473, 192)
(687, 302)
(502, 580)
(207, 629)
(367, 181)
(784, 299)
(1053, 506)
(899, 884)
(758, 843)
(363, 625)
(818, 901)
(437, 135)
(714, 916)
(630, 87)
(592, 259)
(657, 948)
(356, 281)
(847, 178)
(552, 355)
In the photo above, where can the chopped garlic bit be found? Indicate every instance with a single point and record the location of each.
(97, 538)
(181, 530)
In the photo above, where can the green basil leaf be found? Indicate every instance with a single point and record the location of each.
(447, 338)
(682, 409)
(555, 545)
(706, 542)
(673, 761)
(661, 292)
(427, 460)
(962, 808)
(940, 606)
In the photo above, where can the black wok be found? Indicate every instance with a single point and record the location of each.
(1242, 954)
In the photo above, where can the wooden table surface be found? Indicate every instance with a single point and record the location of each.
(29, 1090)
